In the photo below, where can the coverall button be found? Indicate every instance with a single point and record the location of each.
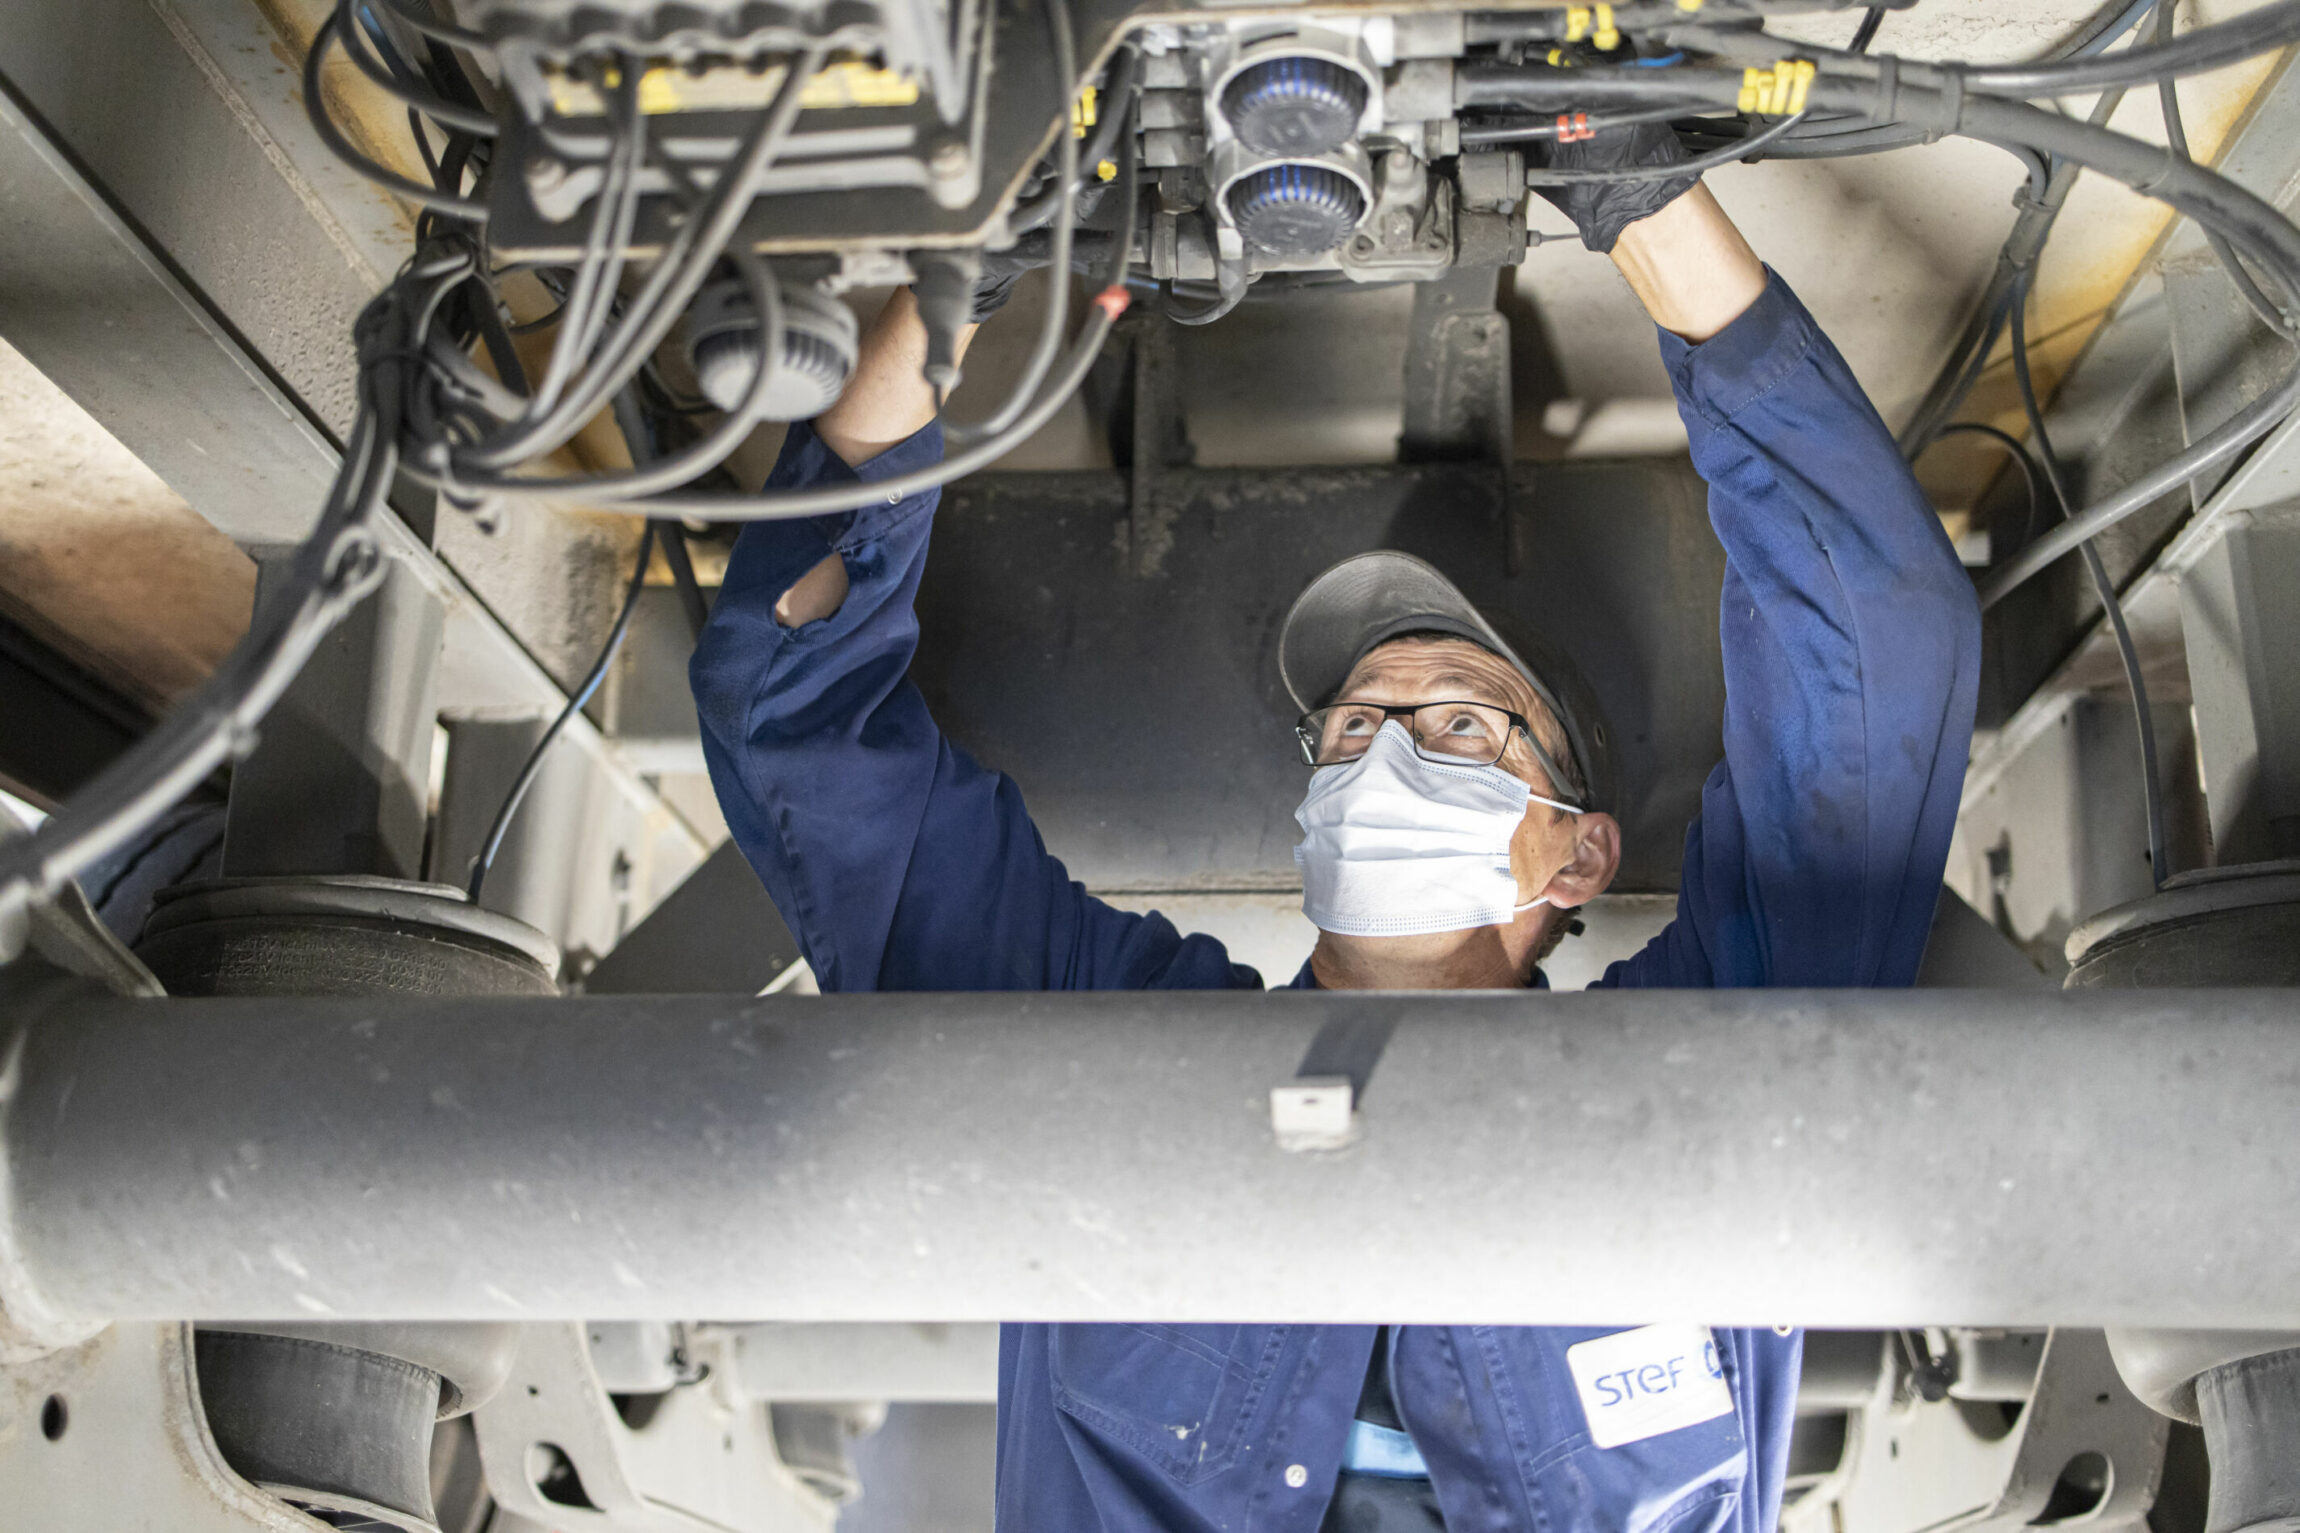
(1297, 1476)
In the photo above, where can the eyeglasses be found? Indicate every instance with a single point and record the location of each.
(1474, 734)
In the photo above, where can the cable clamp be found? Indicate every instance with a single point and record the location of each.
(1776, 92)
(1573, 127)
(1577, 20)
(1607, 36)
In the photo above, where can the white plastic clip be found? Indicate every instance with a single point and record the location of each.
(1314, 1112)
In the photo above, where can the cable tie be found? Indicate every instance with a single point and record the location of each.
(1607, 36)
(1577, 19)
(1113, 300)
(1952, 108)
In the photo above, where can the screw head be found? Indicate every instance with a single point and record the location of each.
(948, 160)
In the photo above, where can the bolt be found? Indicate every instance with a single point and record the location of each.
(949, 160)
(545, 175)
(1362, 245)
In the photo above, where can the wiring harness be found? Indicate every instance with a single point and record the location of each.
(429, 409)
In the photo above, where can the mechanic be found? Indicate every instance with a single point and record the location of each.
(1449, 830)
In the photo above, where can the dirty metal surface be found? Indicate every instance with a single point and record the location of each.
(1138, 705)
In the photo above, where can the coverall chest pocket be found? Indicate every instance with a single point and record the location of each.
(1625, 1457)
(1180, 1396)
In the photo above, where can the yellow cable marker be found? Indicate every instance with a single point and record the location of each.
(1557, 58)
(1106, 170)
(1082, 113)
(1608, 36)
(1689, 6)
(1576, 23)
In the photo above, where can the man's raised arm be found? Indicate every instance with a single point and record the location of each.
(1850, 633)
(898, 862)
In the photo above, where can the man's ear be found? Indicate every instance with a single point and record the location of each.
(1596, 858)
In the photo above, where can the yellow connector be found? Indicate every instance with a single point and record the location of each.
(1607, 36)
(1776, 92)
(1082, 113)
(1577, 19)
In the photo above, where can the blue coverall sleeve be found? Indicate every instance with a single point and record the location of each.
(899, 863)
(1852, 657)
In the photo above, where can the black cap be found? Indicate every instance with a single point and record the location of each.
(1369, 599)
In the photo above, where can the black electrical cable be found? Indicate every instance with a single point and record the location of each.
(533, 766)
(415, 388)
(2152, 788)
(2225, 42)
(415, 18)
(2252, 225)
(1231, 285)
(2176, 135)
(588, 301)
(446, 113)
(828, 499)
(1753, 144)
(1057, 316)
(692, 601)
(1872, 19)
(468, 209)
(334, 569)
(662, 298)
(823, 500)
(692, 461)
(2021, 460)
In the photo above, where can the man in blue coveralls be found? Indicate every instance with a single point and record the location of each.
(1448, 829)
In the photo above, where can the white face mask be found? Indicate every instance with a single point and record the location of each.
(1394, 844)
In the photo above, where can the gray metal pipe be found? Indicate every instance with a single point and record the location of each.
(1844, 1158)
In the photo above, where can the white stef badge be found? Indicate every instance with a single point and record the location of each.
(1642, 1383)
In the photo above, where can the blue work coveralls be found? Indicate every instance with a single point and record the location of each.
(1851, 653)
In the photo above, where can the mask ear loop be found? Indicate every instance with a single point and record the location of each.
(1549, 766)
(1560, 805)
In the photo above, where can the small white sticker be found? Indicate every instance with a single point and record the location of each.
(1642, 1383)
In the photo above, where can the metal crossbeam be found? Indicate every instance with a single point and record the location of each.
(1843, 1158)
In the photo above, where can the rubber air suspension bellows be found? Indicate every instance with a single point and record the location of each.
(1296, 210)
(813, 359)
(1294, 106)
